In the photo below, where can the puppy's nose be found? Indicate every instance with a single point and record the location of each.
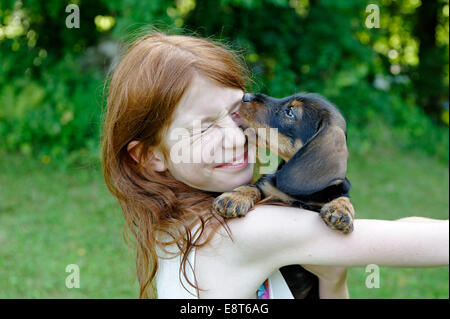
(248, 97)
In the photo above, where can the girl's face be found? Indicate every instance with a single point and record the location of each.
(207, 146)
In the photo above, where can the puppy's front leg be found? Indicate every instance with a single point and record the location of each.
(238, 202)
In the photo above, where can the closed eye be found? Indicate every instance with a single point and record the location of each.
(234, 113)
(207, 128)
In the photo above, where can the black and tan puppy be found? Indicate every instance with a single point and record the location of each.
(312, 144)
(312, 175)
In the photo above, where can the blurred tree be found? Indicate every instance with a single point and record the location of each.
(429, 74)
(51, 77)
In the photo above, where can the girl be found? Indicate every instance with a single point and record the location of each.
(168, 83)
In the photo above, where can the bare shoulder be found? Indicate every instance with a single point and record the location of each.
(267, 238)
(269, 231)
(277, 224)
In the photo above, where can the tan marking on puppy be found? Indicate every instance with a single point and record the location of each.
(335, 182)
(282, 146)
(251, 112)
(285, 148)
(339, 214)
(270, 190)
(316, 204)
(296, 103)
(265, 141)
(238, 202)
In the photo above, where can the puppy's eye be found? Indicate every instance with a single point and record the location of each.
(289, 112)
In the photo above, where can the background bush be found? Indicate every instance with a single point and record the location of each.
(52, 77)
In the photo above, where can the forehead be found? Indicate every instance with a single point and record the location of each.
(204, 98)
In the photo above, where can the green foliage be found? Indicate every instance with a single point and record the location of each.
(52, 77)
(54, 116)
(375, 118)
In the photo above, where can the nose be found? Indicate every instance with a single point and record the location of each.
(248, 97)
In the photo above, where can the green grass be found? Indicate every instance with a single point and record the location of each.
(50, 218)
(391, 185)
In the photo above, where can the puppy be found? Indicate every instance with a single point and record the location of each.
(312, 175)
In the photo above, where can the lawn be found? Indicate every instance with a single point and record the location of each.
(50, 218)
(392, 185)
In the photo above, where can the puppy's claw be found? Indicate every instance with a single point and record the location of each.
(333, 219)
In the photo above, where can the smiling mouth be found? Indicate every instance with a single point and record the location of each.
(237, 163)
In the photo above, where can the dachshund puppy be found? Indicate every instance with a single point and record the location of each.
(312, 174)
(312, 144)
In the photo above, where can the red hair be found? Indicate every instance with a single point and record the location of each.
(144, 91)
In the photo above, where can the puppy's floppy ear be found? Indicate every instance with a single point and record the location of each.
(320, 162)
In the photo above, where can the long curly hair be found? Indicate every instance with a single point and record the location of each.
(143, 93)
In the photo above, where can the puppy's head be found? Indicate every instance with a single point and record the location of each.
(311, 139)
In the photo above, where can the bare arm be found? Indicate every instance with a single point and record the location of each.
(298, 236)
(273, 236)
(332, 279)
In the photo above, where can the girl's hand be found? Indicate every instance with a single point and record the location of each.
(332, 281)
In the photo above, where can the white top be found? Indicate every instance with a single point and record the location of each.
(169, 286)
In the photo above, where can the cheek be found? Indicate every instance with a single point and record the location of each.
(198, 159)
(192, 174)
(203, 177)
(185, 150)
(211, 146)
(193, 167)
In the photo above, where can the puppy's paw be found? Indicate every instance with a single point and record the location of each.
(236, 203)
(338, 215)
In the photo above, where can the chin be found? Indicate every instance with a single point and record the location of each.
(243, 178)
